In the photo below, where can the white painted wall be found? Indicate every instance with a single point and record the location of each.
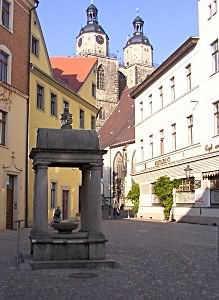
(199, 102)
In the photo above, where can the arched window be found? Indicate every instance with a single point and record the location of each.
(102, 114)
(100, 77)
(118, 164)
(5, 64)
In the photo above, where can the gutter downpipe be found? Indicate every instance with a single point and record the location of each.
(110, 171)
(27, 124)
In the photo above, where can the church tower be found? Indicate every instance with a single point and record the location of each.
(138, 55)
(92, 39)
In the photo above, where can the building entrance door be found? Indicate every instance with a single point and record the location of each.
(10, 201)
(65, 204)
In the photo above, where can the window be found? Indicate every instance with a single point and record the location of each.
(173, 136)
(150, 104)
(35, 46)
(2, 127)
(161, 142)
(5, 13)
(93, 122)
(212, 9)
(40, 97)
(190, 129)
(214, 54)
(81, 125)
(141, 111)
(6, 10)
(100, 78)
(161, 96)
(142, 150)
(172, 86)
(93, 90)
(188, 77)
(102, 114)
(216, 118)
(53, 105)
(53, 195)
(151, 145)
(3, 66)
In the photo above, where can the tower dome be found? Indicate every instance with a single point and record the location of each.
(138, 35)
(92, 38)
(138, 49)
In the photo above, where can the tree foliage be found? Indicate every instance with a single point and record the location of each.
(163, 189)
(133, 196)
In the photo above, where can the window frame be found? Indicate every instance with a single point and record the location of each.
(141, 111)
(173, 88)
(100, 78)
(93, 122)
(173, 126)
(6, 51)
(40, 102)
(3, 124)
(93, 90)
(215, 56)
(81, 119)
(142, 150)
(162, 142)
(216, 118)
(190, 130)
(150, 104)
(151, 144)
(53, 104)
(53, 194)
(35, 46)
(161, 95)
(9, 25)
(189, 77)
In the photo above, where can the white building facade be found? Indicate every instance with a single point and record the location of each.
(177, 126)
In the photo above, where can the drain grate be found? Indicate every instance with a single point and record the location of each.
(83, 275)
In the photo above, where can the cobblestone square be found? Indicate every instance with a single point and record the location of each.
(156, 261)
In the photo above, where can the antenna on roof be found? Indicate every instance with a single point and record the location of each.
(137, 11)
(91, 1)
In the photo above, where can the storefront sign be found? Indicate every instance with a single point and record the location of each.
(162, 162)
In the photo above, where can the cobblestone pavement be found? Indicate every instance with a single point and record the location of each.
(157, 261)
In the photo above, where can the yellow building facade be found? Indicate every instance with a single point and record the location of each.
(48, 97)
(14, 77)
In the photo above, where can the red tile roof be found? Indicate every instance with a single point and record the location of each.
(72, 71)
(119, 128)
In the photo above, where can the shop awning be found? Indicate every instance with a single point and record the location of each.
(210, 174)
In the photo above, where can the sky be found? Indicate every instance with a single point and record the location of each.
(168, 23)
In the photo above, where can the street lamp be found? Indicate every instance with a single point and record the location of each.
(188, 170)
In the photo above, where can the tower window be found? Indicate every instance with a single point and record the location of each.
(100, 78)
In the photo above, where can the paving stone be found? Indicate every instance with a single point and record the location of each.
(157, 261)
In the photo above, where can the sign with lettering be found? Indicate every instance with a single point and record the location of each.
(162, 162)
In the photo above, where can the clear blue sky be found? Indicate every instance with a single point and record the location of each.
(168, 23)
